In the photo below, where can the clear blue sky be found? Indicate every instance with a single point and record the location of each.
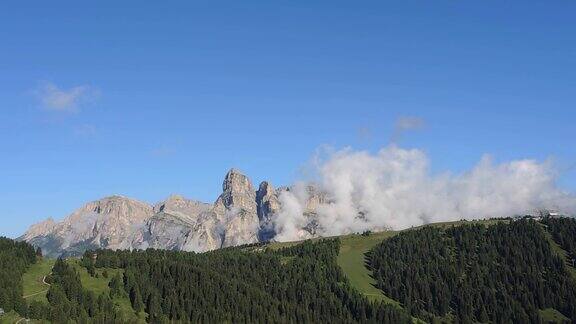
(148, 98)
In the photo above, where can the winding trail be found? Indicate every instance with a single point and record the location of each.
(40, 292)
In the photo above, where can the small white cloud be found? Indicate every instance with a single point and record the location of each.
(405, 124)
(64, 100)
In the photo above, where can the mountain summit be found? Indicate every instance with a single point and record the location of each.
(240, 215)
(113, 222)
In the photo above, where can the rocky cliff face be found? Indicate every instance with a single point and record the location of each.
(112, 222)
(180, 224)
(268, 205)
(236, 210)
(177, 223)
(179, 205)
(39, 229)
(240, 215)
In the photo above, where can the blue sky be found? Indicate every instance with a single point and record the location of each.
(146, 99)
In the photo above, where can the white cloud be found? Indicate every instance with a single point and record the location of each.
(405, 124)
(64, 100)
(395, 189)
(290, 221)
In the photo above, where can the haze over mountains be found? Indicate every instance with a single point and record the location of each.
(354, 192)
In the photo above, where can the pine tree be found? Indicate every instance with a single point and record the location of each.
(116, 286)
(136, 299)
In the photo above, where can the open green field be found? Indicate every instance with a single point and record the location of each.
(352, 257)
(550, 315)
(352, 260)
(10, 318)
(99, 285)
(32, 280)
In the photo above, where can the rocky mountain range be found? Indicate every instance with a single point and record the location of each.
(240, 215)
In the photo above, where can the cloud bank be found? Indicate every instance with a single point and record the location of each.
(64, 100)
(394, 189)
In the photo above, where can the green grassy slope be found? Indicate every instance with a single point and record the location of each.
(352, 261)
(99, 285)
(9, 318)
(550, 315)
(560, 252)
(34, 288)
(352, 258)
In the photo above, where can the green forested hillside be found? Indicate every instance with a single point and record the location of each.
(503, 273)
(563, 232)
(15, 258)
(463, 272)
(301, 284)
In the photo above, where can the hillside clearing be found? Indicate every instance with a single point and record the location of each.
(352, 260)
(550, 315)
(99, 285)
(10, 318)
(560, 252)
(33, 284)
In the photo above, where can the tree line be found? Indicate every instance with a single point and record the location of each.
(563, 231)
(15, 258)
(503, 273)
(300, 284)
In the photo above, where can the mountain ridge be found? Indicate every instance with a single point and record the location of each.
(240, 215)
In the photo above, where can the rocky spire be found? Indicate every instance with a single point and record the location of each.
(267, 204)
(237, 193)
(267, 201)
(236, 210)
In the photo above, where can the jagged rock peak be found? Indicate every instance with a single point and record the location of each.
(238, 192)
(265, 188)
(236, 210)
(266, 200)
(236, 181)
(268, 204)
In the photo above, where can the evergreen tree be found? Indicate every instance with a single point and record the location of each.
(116, 286)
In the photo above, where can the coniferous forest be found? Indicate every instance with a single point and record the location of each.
(563, 231)
(301, 284)
(503, 273)
(15, 258)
